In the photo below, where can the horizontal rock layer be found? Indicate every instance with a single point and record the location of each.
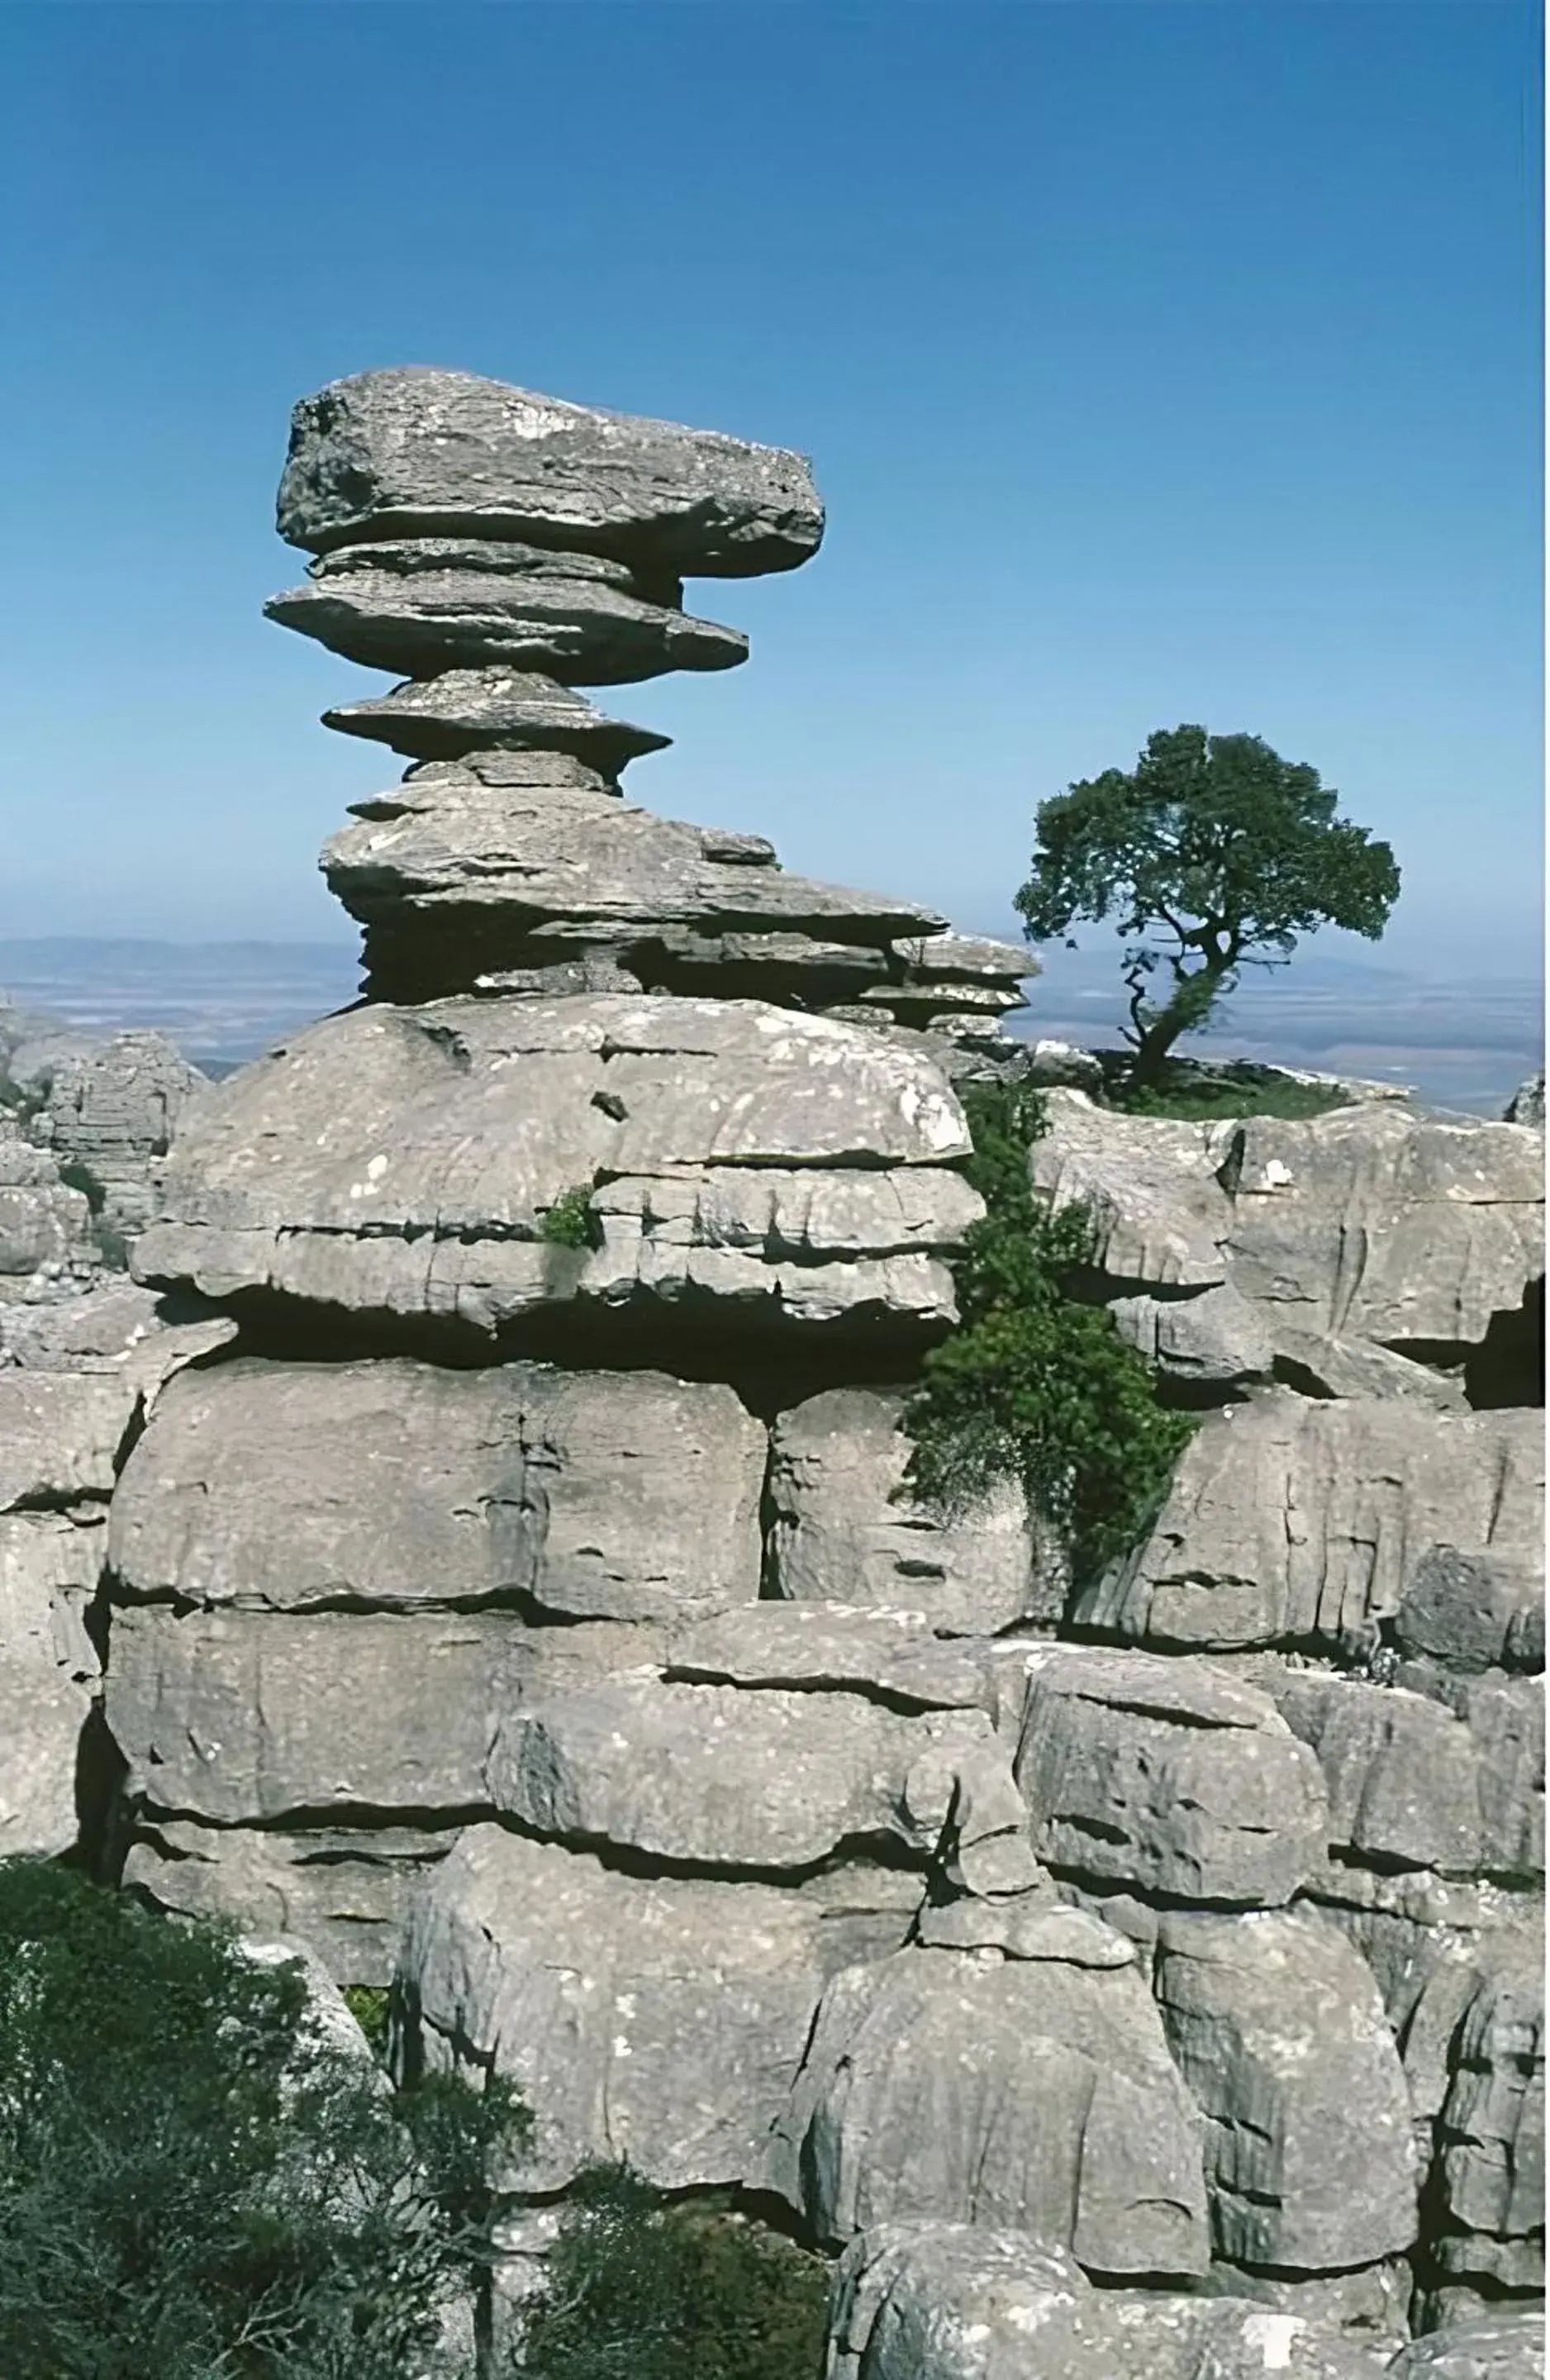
(402, 1162)
(465, 711)
(420, 452)
(424, 605)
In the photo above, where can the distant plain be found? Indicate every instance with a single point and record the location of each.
(1463, 1042)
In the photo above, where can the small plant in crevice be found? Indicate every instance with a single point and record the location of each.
(1033, 1385)
(570, 1223)
(641, 2287)
(371, 2007)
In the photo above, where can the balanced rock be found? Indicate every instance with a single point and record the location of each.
(422, 604)
(467, 710)
(402, 1162)
(418, 451)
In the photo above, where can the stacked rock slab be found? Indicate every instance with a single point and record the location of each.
(527, 1602)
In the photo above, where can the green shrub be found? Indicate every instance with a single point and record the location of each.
(196, 2186)
(1194, 1098)
(1034, 1385)
(638, 2289)
(370, 2005)
(569, 1224)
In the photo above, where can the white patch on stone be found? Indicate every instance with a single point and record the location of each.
(1274, 2335)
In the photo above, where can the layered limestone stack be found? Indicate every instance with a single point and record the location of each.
(520, 1595)
(503, 550)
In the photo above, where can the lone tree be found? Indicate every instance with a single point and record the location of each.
(1212, 855)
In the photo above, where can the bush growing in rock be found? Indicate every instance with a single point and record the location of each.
(197, 2180)
(640, 2289)
(1033, 1385)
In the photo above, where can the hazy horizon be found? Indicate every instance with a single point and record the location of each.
(1159, 363)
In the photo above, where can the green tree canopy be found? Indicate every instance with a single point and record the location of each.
(1211, 854)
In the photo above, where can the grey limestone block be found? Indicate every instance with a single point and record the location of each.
(893, 1653)
(1167, 1776)
(464, 710)
(1494, 2343)
(255, 1718)
(716, 1776)
(109, 1116)
(1491, 2134)
(420, 605)
(345, 1891)
(47, 1237)
(1152, 1185)
(1413, 1786)
(1028, 2095)
(657, 2019)
(402, 1161)
(49, 1567)
(400, 1485)
(1300, 1520)
(1278, 2028)
(846, 1530)
(945, 2301)
(416, 451)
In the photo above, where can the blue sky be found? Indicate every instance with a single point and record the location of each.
(1161, 360)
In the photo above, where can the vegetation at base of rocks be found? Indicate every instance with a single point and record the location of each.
(1213, 854)
(371, 2006)
(195, 2182)
(569, 1222)
(643, 2289)
(1194, 1098)
(1033, 1385)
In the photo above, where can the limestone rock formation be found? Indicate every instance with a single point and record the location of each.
(418, 451)
(1294, 1521)
(953, 2300)
(1363, 1250)
(488, 1509)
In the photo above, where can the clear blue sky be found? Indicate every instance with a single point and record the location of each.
(1161, 360)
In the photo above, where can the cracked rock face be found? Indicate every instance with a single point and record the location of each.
(1170, 1777)
(1358, 1249)
(600, 1993)
(401, 1162)
(398, 1486)
(1294, 1521)
(1033, 2096)
(1278, 2027)
(418, 452)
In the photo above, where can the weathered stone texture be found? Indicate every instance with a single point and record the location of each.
(659, 2020)
(1278, 2027)
(846, 1529)
(401, 1161)
(1027, 2094)
(415, 451)
(719, 1777)
(943, 2301)
(1296, 1521)
(1170, 1777)
(423, 604)
(396, 1484)
(245, 1717)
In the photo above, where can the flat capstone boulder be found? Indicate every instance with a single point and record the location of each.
(415, 451)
